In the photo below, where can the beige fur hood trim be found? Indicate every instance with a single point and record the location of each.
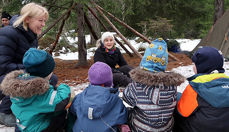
(150, 78)
(14, 87)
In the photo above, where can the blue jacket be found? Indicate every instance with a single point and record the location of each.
(204, 104)
(34, 100)
(98, 109)
(14, 42)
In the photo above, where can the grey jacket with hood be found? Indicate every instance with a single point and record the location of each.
(153, 98)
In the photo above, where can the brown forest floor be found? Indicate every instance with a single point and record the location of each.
(67, 73)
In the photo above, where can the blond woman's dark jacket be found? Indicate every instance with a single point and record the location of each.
(110, 59)
(14, 42)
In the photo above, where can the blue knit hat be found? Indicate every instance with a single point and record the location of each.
(208, 59)
(38, 62)
(100, 73)
(155, 58)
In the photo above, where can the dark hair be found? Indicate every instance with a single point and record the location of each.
(6, 15)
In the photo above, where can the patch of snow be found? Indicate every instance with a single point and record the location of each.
(188, 44)
(79, 88)
(186, 71)
(68, 56)
(6, 129)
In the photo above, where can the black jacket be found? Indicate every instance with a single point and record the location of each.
(204, 104)
(111, 59)
(206, 118)
(14, 42)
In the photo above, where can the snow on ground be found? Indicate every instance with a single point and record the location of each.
(6, 129)
(186, 71)
(185, 45)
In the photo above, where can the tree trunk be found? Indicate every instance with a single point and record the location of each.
(219, 9)
(95, 25)
(82, 60)
(90, 27)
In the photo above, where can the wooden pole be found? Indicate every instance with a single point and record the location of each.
(123, 47)
(90, 27)
(82, 50)
(53, 46)
(125, 25)
(57, 20)
(116, 30)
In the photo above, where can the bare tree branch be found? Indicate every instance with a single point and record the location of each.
(57, 20)
(53, 46)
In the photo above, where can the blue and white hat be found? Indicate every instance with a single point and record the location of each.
(155, 58)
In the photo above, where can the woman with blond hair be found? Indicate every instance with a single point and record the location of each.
(14, 42)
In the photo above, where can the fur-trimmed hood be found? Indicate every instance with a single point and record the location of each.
(15, 87)
(150, 78)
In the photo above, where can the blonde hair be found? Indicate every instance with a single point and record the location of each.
(30, 10)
